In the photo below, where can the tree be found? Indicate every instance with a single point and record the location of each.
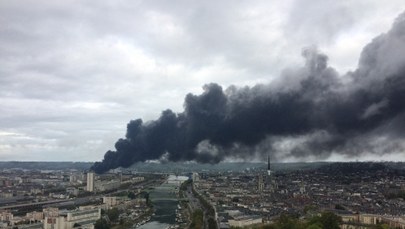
(101, 224)
(288, 222)
(212, 224)
(131, 195)
(330, 220)
(327, 220)
(314, 226)
(197, 220)
(339, 207)
(113, 214)
(146, 196)
(381, 226)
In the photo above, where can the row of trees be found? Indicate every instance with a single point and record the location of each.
(210, 211)
(395, 195)
(108, 218)
(197, 220)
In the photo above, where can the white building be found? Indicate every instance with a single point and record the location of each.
(6, 215)
(90, 182)
(104, 186)
(69, 220)
(195, 177)
(138, 179)
(111, 201)
(243, 221)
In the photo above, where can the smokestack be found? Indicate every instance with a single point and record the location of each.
(309, 112)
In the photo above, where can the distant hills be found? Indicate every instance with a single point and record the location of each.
(186, 167)
(45, 165)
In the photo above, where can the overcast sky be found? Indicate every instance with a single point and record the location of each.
(73, 73)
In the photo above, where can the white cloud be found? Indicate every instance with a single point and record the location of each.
(74, 73)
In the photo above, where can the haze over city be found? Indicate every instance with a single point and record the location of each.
(74, 74)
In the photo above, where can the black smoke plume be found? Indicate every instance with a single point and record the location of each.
(310, 112)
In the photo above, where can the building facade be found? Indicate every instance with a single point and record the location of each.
(90, 182)
(85, 219)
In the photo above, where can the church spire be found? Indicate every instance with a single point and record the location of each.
(268, 164)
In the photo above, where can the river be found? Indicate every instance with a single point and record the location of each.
(165, 202)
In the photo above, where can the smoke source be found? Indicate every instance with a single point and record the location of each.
(310, 111)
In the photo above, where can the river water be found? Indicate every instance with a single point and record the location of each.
(165, 202)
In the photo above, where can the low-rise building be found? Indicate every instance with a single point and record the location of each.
(6, 216)
(69, 220)
(245, 220)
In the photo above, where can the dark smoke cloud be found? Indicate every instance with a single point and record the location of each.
(317, 114)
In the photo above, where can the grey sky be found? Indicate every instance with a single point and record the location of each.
(73, 73)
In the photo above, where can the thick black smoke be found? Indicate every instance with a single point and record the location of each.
(311, 111)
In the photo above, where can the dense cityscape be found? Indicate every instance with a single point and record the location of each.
(360, 195)
(280, 114)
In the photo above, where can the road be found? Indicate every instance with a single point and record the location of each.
(195, 204)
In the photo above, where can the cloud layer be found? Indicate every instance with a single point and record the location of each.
(319, 114)
(73, 73)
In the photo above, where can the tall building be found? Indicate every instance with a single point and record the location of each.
(90, 182)
(260, 185)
